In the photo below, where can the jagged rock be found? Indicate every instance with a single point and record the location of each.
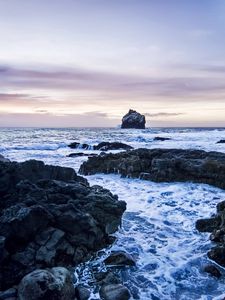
(120, 258)
(212, 270)
(114, 292)
(133, 119)
(50, 217)
(54, 284)
(161, 139)
(160, 165)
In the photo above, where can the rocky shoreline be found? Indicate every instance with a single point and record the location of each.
(51, 220)
(171, 165)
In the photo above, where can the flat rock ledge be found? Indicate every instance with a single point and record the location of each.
(50, 217)
(162, 165)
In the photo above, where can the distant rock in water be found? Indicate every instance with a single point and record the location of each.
(103, 146)
(50, 216)
(161, 139)
(221, 142)
(134, 120)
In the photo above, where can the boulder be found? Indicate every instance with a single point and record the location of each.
(133, 119)
(76, 145)
(114, 292)
(221, 142)
(120, 258)
(55, 284)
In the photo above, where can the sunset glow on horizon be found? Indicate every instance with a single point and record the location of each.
(76, 63)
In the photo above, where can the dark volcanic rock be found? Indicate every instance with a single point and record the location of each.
(50, 217)
(221, 142)
(133, 119)
(159, 165)
(54, 284)
(120, 258)
(103, 146)
(208, 225)
(159, 138)
(82, 293)
(114, 292)
(106, 146)
(79, 154)
(76, 145)
(212, 270)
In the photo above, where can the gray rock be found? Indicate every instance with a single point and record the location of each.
(82, 293)
(133, 119)
(114, 292)
(120, 258)
(55, 284)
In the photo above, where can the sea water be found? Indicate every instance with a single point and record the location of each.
(159, 224)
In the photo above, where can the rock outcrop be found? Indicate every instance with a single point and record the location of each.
(134, 120)
(103, 146)
(50, 216)
(160, 165)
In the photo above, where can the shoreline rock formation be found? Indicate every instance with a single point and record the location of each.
(50, 217)
(133, 119)
(103, 146)
(168, 165)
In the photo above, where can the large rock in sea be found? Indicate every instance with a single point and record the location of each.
(50, 216)
(133, 119)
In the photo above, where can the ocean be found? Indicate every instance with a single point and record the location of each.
(159, 225)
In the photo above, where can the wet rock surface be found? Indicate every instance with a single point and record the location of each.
(103, 146)
(50, 217)
(120, 258)
(161, 165)
(114, 292)
(133, 119)
(55, 283)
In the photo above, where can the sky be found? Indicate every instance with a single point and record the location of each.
(76, 63)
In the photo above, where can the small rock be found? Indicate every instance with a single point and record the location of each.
(114, 292)
(120, 258)
(218, 255)
(82, 293)
(211, 269)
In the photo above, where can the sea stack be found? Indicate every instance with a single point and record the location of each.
(133, 119)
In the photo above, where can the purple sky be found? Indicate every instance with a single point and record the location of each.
(86, 62)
